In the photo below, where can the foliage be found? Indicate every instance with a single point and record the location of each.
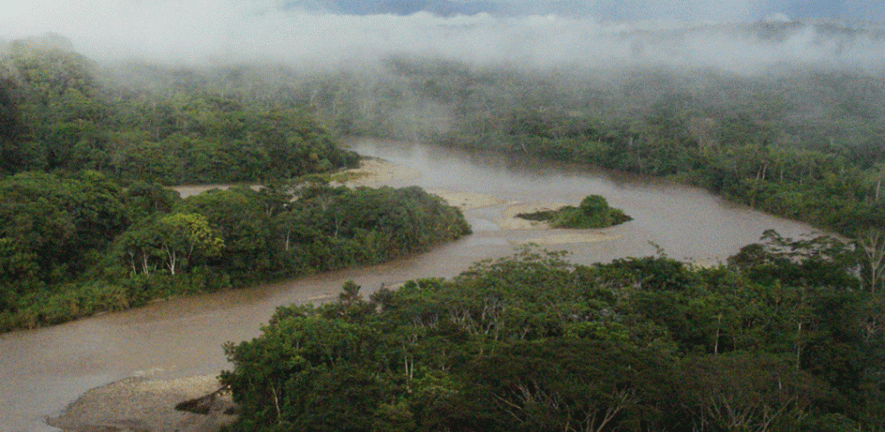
(64, 240)
(84, 213)
(593, 212)
(804, 144)
(532, 342)
(788, 336)
(59, 113)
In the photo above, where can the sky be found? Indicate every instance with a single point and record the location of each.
(621, 10)
(541, 33)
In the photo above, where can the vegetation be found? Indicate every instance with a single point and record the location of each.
(805, 144)
(787, 336)
(593, 212)
(87, 226)
(783, 338)
(59, 113)
(70, 250)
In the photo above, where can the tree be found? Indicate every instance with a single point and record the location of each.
(137, 246)
(871, 245)
(307, 372)
(145, 199)
(748, 392)
(185, 236)
(173, 241)
(563, 384)
(11, 130)
(593, 212)
(240, 216)
(16, 263)
(875, 175)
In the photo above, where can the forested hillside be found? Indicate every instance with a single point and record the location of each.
(783, 338)
(60, 112)
(803, 143)
(787, 336)
(86, 224)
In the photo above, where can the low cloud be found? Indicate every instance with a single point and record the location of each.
(219, 31)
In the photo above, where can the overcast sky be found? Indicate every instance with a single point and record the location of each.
(620, 10)
(304, 31)
(722, 10)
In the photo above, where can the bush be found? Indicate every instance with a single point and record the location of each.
(593, 212)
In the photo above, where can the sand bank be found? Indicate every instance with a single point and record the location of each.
(466, 200)
(570, 238)
(509, 221)
(373, 171)
(141, 404)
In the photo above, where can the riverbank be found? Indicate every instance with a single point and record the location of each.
(44, 370)
(376, 172)
(508, 219)
(143, 404)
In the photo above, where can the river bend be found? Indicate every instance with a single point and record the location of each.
(43, 370)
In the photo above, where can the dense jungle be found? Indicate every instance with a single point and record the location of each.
(786, 335)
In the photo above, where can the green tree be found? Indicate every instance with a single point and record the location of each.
(185, 236)
(871, 246)
(748, 392)
(11, 127)
(175, 241)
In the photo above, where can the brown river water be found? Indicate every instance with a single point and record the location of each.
(44, 370)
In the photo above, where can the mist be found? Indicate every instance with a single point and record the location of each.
(744, 36)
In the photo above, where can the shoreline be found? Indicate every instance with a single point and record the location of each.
(143, 404)
(374, 171)
(140, 403)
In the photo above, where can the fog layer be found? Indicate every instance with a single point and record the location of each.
(227, 31)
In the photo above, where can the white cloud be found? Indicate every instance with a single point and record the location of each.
(777, 17)
(228, 30)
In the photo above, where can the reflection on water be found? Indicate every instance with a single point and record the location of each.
(46, 369)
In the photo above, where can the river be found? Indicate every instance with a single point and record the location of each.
(44, 370)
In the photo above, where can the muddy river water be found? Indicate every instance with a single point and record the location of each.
(42, 371)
